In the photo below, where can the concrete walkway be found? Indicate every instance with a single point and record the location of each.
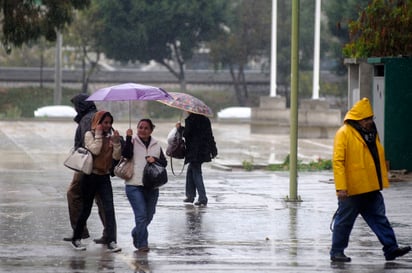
(247, 226)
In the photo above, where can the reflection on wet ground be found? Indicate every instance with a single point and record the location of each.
(246, 227)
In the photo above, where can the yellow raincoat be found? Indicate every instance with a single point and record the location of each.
(353, 166)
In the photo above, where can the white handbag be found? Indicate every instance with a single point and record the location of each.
(80, 160)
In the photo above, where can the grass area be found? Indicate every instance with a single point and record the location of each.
(21, 102)
(318, 165)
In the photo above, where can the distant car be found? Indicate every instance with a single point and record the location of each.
(55, 111)
(242, 113)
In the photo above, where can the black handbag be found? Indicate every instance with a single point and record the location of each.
(154, 175)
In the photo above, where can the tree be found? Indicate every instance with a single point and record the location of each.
(23, 21)
(382, 29)
(82, 36)
(166, 31)
(37, 53)
(339, 14)
(306, 43)
(247, 36)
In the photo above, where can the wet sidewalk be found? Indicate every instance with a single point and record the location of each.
(246, 227)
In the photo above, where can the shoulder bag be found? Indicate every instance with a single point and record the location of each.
(124, 169)
(176, 147)
(80, 160)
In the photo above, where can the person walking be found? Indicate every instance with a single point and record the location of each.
(200, 148)
(85, 111)
(142, 149)
(360, 173)
(104, 147)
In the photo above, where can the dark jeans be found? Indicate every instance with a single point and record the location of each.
(194, 181)
(143, 202)
(97, 185)
(372, 208)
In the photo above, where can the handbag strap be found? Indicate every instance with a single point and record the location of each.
(171, 166)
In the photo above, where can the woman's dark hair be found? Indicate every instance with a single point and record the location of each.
(152, 126)
(107, 114)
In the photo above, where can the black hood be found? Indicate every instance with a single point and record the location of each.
(82, 106)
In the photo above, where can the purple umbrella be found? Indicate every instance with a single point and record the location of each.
(129, 92)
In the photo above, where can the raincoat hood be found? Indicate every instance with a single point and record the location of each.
(361, 110)
(82, 106)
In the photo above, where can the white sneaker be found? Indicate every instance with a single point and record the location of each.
(76, 244)
(112, 247)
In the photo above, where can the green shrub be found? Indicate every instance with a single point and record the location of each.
(13, 112)
(23, 101)
(247, 165)
(318, 165)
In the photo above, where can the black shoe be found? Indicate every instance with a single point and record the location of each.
(112, 247)
(340, 257)
(189, 200)
(100, 241)
(400, 251)
(201, 203)
(77, 245)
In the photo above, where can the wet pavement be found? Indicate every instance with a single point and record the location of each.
(246, 227)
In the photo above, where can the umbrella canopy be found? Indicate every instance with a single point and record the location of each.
(129, 92)
(188, 103)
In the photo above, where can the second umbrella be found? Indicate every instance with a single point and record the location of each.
(188, 103)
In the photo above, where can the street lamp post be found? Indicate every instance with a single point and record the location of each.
(316, 53)
(58, 70)
(273, 51)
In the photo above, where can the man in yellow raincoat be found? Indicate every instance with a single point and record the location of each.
(360, 174)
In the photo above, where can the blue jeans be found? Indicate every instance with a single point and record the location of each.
(93, 185)
(372, 208)
(194, 181)
(143, 202)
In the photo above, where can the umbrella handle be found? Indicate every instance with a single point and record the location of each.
(130, 116)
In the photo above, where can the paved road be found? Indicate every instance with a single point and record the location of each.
(247, 226)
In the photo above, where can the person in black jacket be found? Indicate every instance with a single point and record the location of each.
(200, 148)
(85, 112)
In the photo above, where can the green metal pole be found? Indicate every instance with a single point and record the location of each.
(293, 183)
